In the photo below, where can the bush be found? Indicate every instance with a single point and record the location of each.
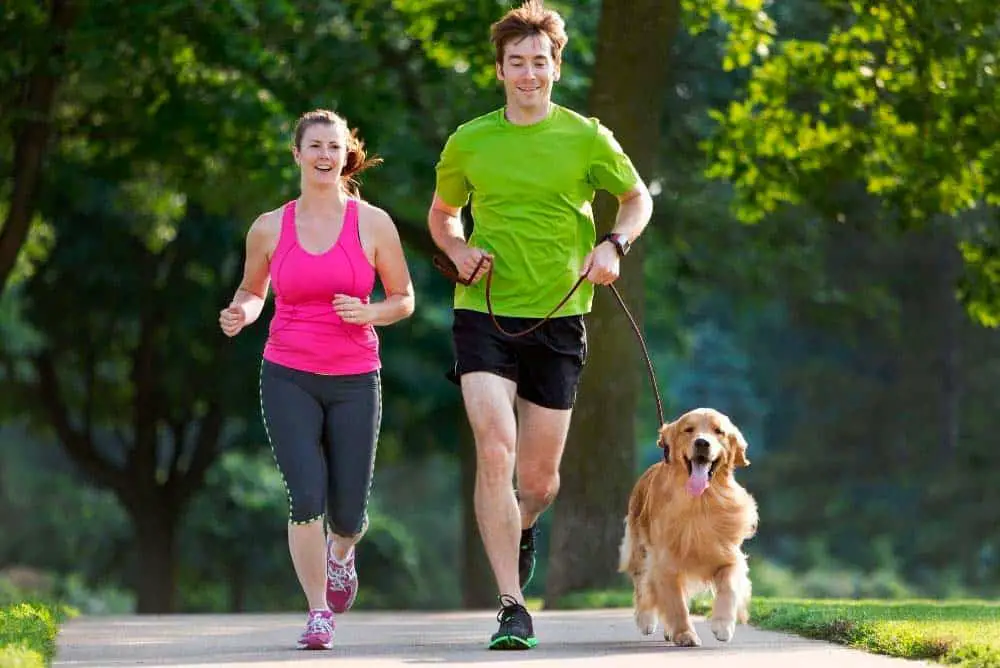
(28, 634)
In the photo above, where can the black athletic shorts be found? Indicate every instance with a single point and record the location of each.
(546, 364)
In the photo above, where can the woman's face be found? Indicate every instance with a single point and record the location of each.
(321, 153)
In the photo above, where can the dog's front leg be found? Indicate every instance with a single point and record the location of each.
(732, 593)
(672, 602)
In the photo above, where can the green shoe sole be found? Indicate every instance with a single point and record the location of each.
(513, 642)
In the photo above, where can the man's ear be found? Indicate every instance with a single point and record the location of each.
(738, 447)
(667, 434)
(499, 71)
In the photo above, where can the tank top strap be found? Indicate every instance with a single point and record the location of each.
(351, 233)
(286, 237)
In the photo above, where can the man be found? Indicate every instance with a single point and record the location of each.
(531, 169)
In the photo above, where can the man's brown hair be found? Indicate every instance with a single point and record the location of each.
(529, 20)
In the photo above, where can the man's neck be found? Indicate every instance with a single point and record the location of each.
(527, 116)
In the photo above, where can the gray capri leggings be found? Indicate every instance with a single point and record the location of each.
(323, 432)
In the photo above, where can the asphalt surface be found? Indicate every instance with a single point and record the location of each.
(567, 639)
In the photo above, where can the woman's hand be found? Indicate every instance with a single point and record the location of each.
(352, 310)
(232, 319)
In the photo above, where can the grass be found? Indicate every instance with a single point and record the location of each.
(28, 634)
(959, 633)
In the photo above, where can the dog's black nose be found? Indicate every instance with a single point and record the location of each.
(702, 445)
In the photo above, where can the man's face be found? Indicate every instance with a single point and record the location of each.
(528, 71)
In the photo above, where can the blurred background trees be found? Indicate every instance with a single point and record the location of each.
(822, 265)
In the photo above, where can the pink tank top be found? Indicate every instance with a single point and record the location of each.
(305, 333)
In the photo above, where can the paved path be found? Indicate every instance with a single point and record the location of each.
(573, 639)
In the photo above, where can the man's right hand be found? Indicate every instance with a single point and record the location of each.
(469, 263)
(232, 320)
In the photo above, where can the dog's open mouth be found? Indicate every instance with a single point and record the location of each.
(700, 470)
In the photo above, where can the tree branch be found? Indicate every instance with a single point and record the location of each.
(182, 484)
(31, 137)
(79, 446)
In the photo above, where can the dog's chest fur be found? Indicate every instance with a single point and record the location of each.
(695, 534)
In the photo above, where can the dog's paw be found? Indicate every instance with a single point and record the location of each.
(687, 639)
(646, 622)
(723, 629)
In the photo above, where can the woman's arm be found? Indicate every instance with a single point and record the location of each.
(390, 264)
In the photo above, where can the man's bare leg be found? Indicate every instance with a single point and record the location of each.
(541, 440)
(489, 404)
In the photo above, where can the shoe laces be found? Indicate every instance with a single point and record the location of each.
(318, 623)
(510, 607)
(340, 575)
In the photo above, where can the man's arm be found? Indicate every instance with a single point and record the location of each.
(635, 208)
(445, 224)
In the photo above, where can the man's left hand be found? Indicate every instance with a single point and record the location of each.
(602, 265)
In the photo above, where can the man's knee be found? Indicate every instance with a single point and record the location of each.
(538, 490)
(494, 462)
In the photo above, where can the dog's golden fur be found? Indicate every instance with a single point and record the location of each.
(678, 542)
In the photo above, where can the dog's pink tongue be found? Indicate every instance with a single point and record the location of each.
(697, 482)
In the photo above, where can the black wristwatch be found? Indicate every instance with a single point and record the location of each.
(619, 241)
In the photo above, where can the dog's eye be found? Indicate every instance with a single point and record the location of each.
(689, 430)
(719, 431)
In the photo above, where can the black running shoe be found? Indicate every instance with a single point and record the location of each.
(526, 556)
(515, 630)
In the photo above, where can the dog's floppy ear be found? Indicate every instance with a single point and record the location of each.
(738, 447)
(667, 433)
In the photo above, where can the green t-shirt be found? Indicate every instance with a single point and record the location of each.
(532, 187)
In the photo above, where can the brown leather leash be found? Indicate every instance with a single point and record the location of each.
(444, 265)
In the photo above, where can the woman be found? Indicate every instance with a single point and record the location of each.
(320, 387)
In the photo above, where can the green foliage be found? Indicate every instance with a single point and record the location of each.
(959, 633)
(895, 98)
(83, 547)
(28, 633)
(750, 30)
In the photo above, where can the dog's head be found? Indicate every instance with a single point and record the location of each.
(703, 441)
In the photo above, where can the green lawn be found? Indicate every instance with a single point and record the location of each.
(961, 633)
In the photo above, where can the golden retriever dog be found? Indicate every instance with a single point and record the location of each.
(687, 519)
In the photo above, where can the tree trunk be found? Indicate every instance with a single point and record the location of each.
(478, 585)
(633, 51)
(155, 539)
(31, 137)
(238, 584)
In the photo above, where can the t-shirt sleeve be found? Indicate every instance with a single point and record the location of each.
(452, 186)
(610, 169)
